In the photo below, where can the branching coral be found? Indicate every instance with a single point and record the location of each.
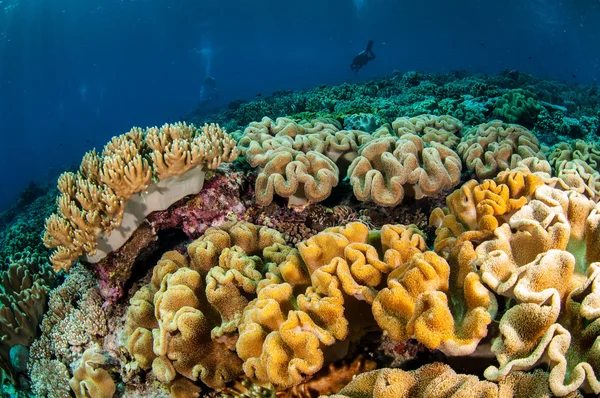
(50, 378)
(74, 322)
(138, 172)
(493, 147)
(388, 168)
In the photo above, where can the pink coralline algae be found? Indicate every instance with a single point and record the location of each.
(221, 199)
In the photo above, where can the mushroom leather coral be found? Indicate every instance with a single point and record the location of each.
(284, 338)
(177, 311)
(543, 259)
(475, 209)
(90, 380)
(319, 136)
(300, 177)
(445, 129)
(184, 319)
(433, 380)
(587, 152)
(440, 381)
(238, 257)
(416, 305)
(24, 287)
(389, 168)
(492, 147)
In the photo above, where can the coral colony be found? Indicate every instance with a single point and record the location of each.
(414, 236)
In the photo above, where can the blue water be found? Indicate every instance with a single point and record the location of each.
(75, 73)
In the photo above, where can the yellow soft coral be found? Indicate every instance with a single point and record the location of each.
(541, 259)
(176, 310)
(415, 305)
(184, 319)
(439, 380)
(319, 136)
(474, 210)
(284, 338)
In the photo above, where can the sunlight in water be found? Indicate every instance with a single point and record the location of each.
(358, 5)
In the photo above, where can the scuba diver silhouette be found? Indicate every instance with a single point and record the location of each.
(363, 58)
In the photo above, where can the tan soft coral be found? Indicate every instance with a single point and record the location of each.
(261, 137)
(543, 259)
(138, 172)
(492, 147)
(319, 135)
(445, 129)
(240, 258)
(303, 160)
(176, 310)
(183, 318)
(439, 380)
(576, 150)
(285, 338)
(300, 177)
(90, 379)
(388, 168)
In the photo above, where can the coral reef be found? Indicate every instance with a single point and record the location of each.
(415, 235)
(439, 380)
(74, 322)
(220, 200)
(286, 337)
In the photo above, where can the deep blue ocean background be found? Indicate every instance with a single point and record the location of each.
(75, 73)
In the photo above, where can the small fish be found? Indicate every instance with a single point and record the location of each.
(529, 57)
(258, 95)
(481, 44)
(574, 76)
